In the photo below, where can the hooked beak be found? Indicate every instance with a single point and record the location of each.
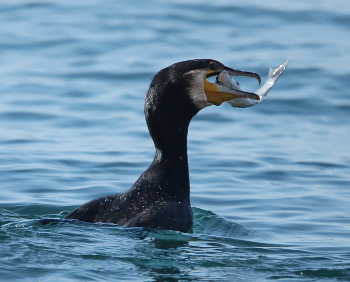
(218, 93)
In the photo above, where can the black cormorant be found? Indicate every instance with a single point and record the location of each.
(160, 198)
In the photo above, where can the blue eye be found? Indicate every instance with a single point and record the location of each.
(213, 66)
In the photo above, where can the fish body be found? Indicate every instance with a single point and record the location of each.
(225, 79)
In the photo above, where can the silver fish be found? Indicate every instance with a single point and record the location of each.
(225, 79)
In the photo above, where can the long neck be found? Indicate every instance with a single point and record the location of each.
(169, 168)
(170, 140)
(168, 118)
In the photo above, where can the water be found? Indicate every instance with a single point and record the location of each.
(269, 184)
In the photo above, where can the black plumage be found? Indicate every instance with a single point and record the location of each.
(160, 198)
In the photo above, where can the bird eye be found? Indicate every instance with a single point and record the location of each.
(213, 66)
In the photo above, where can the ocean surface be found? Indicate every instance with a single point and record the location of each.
(270, 184)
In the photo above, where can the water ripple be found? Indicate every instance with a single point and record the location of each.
(269, 184)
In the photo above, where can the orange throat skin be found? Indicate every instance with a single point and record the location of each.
(216, 96)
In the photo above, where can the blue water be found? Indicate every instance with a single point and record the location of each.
(270, 185)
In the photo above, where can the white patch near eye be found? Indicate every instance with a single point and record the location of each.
(196, 90)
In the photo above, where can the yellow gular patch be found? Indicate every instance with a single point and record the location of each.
(214, 96)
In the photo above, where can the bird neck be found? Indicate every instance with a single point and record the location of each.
(171, 142)
(168, 114)
(170, 163)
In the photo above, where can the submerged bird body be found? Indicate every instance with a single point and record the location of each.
(160, 198)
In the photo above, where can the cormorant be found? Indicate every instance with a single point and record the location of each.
(160, 198)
